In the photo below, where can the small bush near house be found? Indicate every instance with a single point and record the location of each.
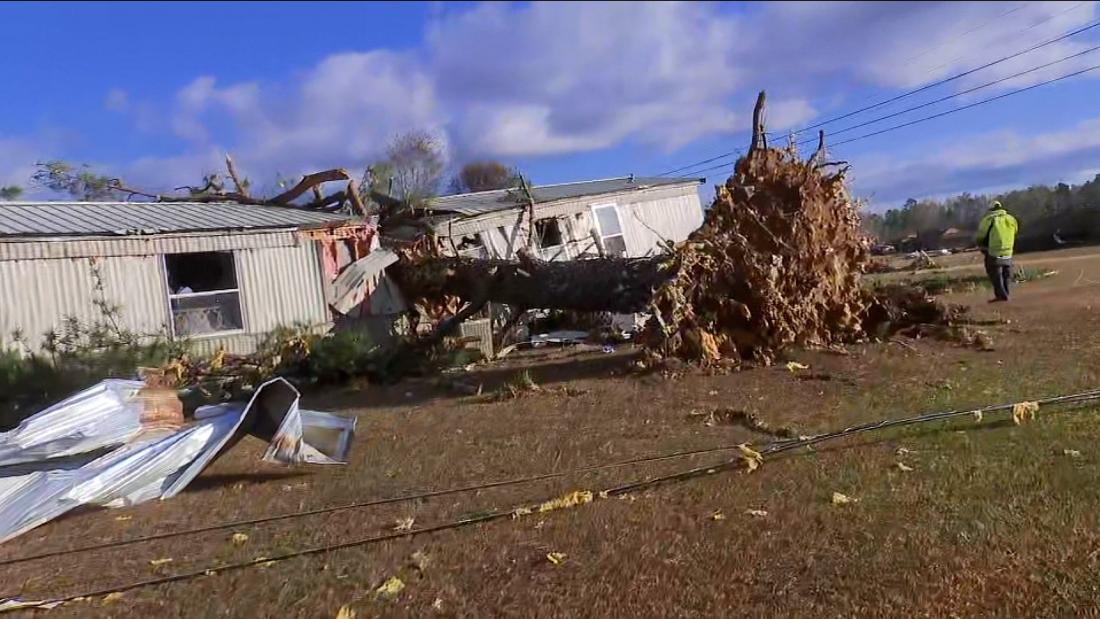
(74, 357)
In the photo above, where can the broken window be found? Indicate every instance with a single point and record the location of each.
(548, 232)
(203, 294)
(469, 242)
(610, 230)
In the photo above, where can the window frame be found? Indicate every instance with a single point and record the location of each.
(614, 206)
(169, 296)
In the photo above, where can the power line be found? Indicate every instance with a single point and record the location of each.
(941, 114)
(963, 34)
(956, 95)
(951, 78)
(967, 107)
(909, 93)
(1031, 27)
(770, 449)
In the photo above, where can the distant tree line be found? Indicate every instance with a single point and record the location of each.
(1048, 216)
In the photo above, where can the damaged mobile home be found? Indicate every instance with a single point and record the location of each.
(623, 217)
(221, 275)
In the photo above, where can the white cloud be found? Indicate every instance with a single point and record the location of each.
(539, 79)
(984, 162)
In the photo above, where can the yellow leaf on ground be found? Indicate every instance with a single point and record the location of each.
(757, 513)
(718, 515)
(794, 366)
(904, 467)
(752, 458)
(842, 499)
(1023, 411)
(555, 557)
(345, 612)
(156, 562)
(263, 562)
(390, 588)
(239, 539)
(123, 518)
(404, 524)
(573, 499)
(111, 598)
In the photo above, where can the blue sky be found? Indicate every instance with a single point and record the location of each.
(158, 92)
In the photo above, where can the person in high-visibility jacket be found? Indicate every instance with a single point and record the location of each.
(996, 238)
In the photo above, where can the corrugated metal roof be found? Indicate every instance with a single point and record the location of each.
(501, 199)
(136, 218)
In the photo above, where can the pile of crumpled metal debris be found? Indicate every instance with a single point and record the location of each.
(124, 442)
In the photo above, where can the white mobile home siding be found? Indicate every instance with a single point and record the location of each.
(279, 277)
(647, 216)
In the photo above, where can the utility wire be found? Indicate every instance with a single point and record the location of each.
(909, 93)
(956, 95)
(967, 107)
(951, 78)
(362, 504)
(941, 114)
(772, 448)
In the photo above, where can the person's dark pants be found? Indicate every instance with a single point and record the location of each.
(1000, 274)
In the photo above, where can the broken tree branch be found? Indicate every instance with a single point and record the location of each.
(308, 181)
(759, 139)
(242, 188)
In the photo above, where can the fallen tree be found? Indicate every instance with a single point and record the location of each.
(777, 262)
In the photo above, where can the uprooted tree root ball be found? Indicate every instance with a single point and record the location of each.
(777, 262)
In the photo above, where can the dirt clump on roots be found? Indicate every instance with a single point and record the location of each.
(778, 262)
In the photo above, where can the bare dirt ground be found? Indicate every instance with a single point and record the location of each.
(993, 519)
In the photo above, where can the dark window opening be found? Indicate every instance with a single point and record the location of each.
(200, 272)
(548, 232)
(470, 241)
(203, 295)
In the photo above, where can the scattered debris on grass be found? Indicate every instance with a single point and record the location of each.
(239, 539)
(159, 562)
(111, 598)
(757, 513)
(842, 499)
(1024, 411)
(905, 468)
(752, 459)
(1072, 453)
(794, 366)
(717, 515)
(573, 499)
(124, 518)
(420, 560)
(404, 524)
(746, 419)
(557, 558)
(345, 612)
(9, 604)
(391, 588)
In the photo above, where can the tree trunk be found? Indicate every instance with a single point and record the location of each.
(598, 285)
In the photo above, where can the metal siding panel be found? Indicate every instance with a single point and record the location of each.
(143, 246)
(281, 286)
(38, 295)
